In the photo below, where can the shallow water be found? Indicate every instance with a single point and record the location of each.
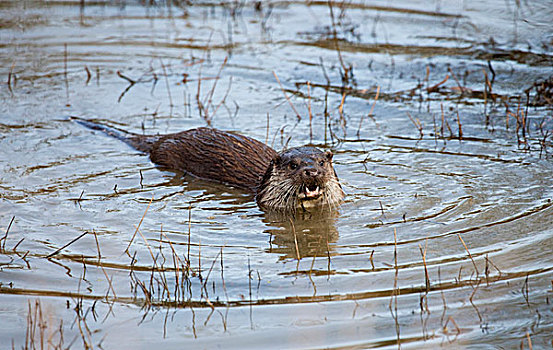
(446, 234)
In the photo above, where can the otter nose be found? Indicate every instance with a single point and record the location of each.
(312, 172)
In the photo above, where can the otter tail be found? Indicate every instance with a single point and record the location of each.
(143, 143)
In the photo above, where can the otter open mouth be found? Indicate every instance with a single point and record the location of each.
(311, 192)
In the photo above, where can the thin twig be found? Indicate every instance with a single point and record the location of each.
(88, 75)
(189, 231)
(417, 124)
(132, 82)
(454, 323)
(295, 239)
(435, 87)
(309, 111)
(426, 276)
(5, 238)
(67, 245)
(267, 133)
(286, 96)
(138, 227)
(65, 69)
(528, 336)
(9, 82)
(166, 83)
(372, 108)
(470, 255)
(102, 266)
(459, 126)
(371, 259)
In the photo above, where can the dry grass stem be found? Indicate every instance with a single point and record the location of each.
(223, 277)
(435, 87)
(470, 255)
(525, 290)
(328, 256)
(65, 70)
(18, 243)
(442, 294)
(371, 259)
(370, 115)
(286, 96)
(9, 82)
(395, 291)
(426, 276)
(309, 111)
(267, 131)
(250, 292)
(102, 266)
(209, 272)
(176, 264)
(5, 238)
(346, 72)
(200, 257)
(131, 81)
(459, 126)
(207, 104)
(450, 319)
(374, 102)
(166, 83)
(341, 112)
(138, 227)
(67, 245)
(189, 232)
(295, 239)
(88, 75)
(417, 124)
(381, 208)
(461, 88)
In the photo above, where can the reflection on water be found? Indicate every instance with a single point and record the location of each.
(440, 122)
(307, 234)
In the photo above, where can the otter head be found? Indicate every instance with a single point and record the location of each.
(300, 177)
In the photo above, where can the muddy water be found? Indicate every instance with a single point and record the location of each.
(446, 235)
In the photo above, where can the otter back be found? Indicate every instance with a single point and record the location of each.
(205, 153)
(210, 154)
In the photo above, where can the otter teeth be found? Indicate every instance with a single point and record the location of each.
(312, 193)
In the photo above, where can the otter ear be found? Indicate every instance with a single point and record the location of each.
(328, 155)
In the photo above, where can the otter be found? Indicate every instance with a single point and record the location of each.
(296, 178)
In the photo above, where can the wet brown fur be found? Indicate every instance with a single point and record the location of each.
(280, 181)
(210, 154)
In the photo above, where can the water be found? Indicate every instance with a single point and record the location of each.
(445, 238)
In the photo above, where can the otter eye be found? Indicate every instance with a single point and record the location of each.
(322, 163)
(293, 166)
